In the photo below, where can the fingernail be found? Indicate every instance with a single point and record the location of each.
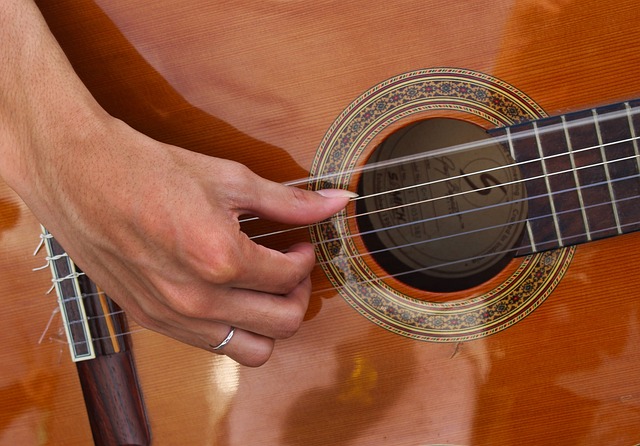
(337, 193)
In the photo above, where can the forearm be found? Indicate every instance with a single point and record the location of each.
(156, 226)
(41, 98)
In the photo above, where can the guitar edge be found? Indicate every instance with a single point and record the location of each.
(263, 88)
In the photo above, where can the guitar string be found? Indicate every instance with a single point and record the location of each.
(356, 283)
(381, 278)
(395, 275)
(351, 284)
(453, 149)
(491, 207)
(450, 150)
(508, 139)
(564, 125)
(458, 194)
(506, 167)
(359, 282)
(475, 231)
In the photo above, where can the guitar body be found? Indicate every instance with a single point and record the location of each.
(262, 83)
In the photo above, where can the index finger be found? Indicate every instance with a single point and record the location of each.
(266, 270)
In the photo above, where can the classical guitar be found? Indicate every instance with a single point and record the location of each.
(481, 290)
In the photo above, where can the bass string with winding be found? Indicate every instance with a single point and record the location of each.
(459, 194)
(508, 139)
(431, 240)
(486, 188)
(489, 207)
(380, 278)
(337, 288)
(314, 292)
(505, 140)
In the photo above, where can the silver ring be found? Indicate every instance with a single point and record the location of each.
(225, 341)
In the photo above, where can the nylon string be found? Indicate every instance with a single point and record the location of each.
(434, 154)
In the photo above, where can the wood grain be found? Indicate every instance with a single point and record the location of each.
(261, 82)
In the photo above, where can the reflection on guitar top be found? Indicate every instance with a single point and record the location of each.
(269, 84)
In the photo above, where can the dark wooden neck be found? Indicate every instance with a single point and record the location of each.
(582, 175)
(99, 343)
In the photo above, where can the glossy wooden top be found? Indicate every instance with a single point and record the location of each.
(261, 82)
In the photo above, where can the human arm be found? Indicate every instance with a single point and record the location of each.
(154, 225)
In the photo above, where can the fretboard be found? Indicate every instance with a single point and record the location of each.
(582, 175)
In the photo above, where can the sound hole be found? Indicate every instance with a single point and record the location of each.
(448, 221)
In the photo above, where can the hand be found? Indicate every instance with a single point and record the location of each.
(155, 226)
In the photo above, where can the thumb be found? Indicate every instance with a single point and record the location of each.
(288, 204)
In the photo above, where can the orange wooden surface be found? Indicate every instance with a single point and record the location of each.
(260, 82)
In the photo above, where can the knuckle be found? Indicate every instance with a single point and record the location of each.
(223, 268)
(300, 199)
(213, 255)
(187, 305)
(186, 302)
(299, 195)
(298, 276)
(290, 323)
(290, 284)
(238, 177)
(217, 264)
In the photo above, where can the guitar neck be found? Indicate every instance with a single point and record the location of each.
(582, 175)
(98, 340)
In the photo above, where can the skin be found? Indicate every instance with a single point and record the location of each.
(60, 150)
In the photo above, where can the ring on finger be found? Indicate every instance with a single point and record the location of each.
(225, 341)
